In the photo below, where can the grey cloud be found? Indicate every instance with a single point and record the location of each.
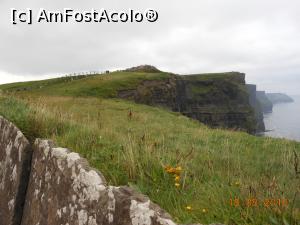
(260, 38)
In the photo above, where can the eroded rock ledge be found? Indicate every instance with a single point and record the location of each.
(218, 100)
(59, 187)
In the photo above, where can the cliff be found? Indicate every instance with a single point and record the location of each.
(278, 98)
(266, 104)
(218, 100)
(254, 102)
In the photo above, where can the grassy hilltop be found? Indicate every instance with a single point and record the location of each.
(192, 171)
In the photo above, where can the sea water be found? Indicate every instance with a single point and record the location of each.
(284, 121)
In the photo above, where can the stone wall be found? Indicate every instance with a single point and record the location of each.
(63, 189)
(15, 156)
(59, 187)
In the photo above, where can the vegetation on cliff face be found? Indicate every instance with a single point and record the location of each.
(138, 145)
(219, 100)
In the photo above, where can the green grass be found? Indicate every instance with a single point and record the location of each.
(102, 85)
(213, 76)
(218, 165)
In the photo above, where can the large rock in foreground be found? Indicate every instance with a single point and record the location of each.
(15, 156)
(63, 189)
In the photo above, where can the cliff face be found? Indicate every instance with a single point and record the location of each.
(254, 102)
(266, 104)
(278, 98)
(218, 100)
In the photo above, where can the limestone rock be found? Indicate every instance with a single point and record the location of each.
(15, 156)
(63, 189)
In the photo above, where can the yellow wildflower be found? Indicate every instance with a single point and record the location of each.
(177, 185)
(178, 170)
(204, 210)
(169, 169)
(177, 178)
(189, 207)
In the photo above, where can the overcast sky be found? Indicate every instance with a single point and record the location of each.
(260, 38)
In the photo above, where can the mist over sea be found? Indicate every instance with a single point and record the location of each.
(284, 121)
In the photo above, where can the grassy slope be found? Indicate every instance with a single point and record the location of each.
(97, 85)
(217, 165)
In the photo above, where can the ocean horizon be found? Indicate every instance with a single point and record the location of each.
(284, 121)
